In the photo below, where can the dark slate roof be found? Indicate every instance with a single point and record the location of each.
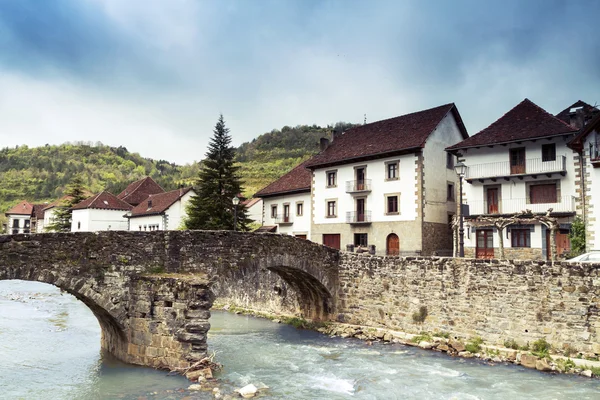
(406, 132)
(579, 139)
(23, 208)
(297, 180)
(139, 191)
(587, 110)
(525, 121)
(158, 203)
(103, 201)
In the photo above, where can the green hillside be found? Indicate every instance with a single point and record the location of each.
(39, 174)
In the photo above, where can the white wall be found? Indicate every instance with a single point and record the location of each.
(21, 221)
(300, 225)
(406, 186)
(93, 220)
(143, 223)
(49, 216)
(177, 212)
(436, 174)
(593, 193)
(255, 213)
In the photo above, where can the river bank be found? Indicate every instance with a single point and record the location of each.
(538, 355)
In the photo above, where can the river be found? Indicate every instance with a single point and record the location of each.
(50, 349)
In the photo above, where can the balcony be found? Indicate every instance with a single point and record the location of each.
(358, 218)
(503, 170)
(284, 219)
(357, 187)
(595, 154)
(564, 204)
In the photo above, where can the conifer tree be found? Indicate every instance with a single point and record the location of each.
(75, 193)
(217, 184)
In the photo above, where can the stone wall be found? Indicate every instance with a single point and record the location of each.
(513, 253)
(437, 239)
(497, 300)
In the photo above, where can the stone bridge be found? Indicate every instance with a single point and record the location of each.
(152, 291)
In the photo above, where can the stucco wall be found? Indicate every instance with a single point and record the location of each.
(592, 195)
(300, 223)
(177, 212)
(93, 220)
(521, 300)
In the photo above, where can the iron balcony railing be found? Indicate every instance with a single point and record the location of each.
(284, 219)
(511, 206)
(354, 217)
(358, 186)
(531, 166)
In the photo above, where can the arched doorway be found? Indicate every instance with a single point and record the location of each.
(392, 245)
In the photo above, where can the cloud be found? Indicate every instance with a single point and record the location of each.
(154, 77)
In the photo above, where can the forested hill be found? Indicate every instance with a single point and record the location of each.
(39, 174)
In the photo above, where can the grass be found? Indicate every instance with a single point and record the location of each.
(474, 346)
(595, 370)
(422, 337)
(511, 344)
(541, 348)
(444, 335)
(565, 365)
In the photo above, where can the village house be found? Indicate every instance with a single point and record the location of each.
(138, 191)
(388, 186)
(587, 145)
(102, 212)
(287, 204)
(521, 162)
(162, 211)
(19, 218)
(254, 209)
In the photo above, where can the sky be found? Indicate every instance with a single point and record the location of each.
(154, 76)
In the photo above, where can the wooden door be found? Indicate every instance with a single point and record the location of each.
(517, 161)
(286, 213)
(332, 240)
(563, 244)
(360, 179)
(492, 201)
(392, 245)
(485, 243)
(360, 210)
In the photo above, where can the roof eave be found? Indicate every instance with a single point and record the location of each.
(286, 192)
(452, 150)
(366, 157)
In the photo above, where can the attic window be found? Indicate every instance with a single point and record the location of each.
(105, 202)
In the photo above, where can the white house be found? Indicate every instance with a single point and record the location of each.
(162, 211)
(287, 203)
(138, 191)
(587, 144)
(520, 162)
(254, 209)
(389, 184)
(19, 218)
(102, 212)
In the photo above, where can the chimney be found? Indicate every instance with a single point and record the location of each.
(180, 190)
(150, 201)
(323, 143)
(576, 117)
(336, 134)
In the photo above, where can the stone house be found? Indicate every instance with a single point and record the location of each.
(286, 203)
(388, 185)
(587, 146)
(162, 211)
(520, 162)
(102, 212)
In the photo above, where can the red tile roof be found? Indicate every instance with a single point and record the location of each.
(139, 191)
(38, 210)
(158, 203)
(403, 133)
(103, 201)
(525, 121)
(297, 180)
(23, 208)
(588, 110)
(250, 202)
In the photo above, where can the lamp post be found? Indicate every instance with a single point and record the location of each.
(461, 170)
(235, 202)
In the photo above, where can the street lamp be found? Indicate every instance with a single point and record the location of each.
(461, 170)
(235, 202)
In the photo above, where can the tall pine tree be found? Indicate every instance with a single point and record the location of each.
(218, 183)
(74, 194)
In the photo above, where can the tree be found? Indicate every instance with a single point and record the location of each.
(217, 184)
(74, 194)
(577, 237)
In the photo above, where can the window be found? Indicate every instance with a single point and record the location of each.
(299, 209)
(392, 204)
(360, 239)
(450, 192)
(79, 225)
(392, 170)
(544, 193)
(274, 211)
(449, 161)
(286, 213)
(331, 178)
(520, 237)
(27, 223)
(549, 152)
(15, 223)
(331, 211)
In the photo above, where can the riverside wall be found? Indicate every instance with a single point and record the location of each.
(492, 299)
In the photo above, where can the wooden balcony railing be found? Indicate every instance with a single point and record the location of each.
(532, 166)
(511, 206)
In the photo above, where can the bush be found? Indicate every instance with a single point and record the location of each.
(419, 317)
(474, 346)
(577, 237)
(511, 344)
(541, 348)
